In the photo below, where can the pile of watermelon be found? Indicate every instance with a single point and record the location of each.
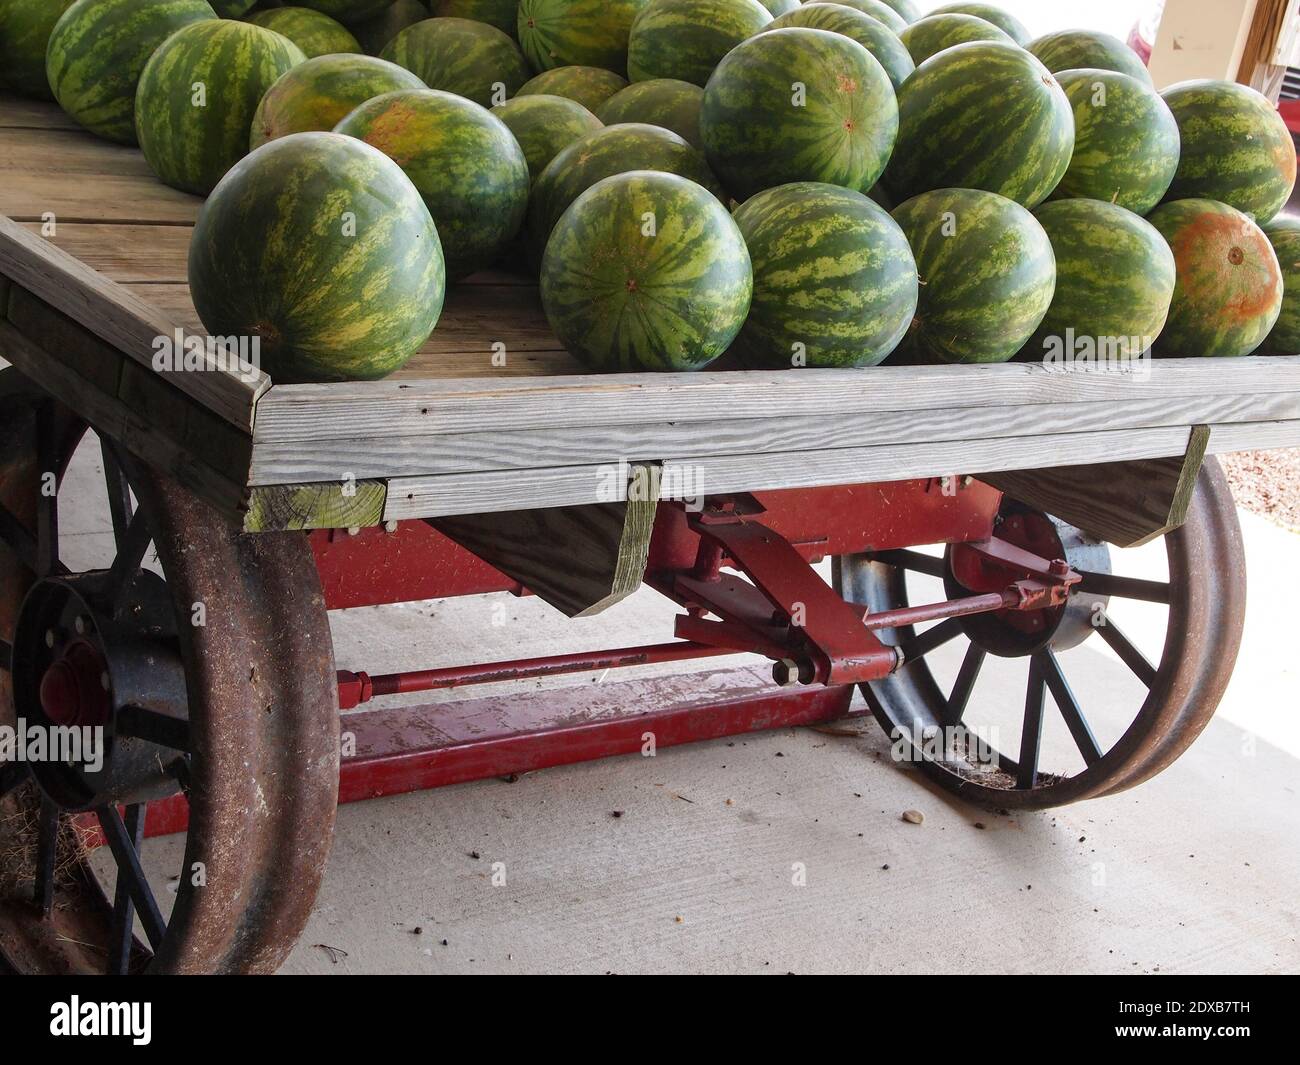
(791, 185)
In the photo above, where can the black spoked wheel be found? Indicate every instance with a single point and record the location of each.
(1169, 699)
(201, 658)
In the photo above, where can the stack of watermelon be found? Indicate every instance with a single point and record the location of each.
(821, 184)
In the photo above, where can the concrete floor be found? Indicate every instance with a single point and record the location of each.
(1193, 872)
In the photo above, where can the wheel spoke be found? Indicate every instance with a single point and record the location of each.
(122, 935)
(913, 560)
(151, 725)
(11, 775)
(1031, 733)
(1065, 701)
(17, 538)
(47, 849)
(1129, 655)
(6, 656)
(129, 869)
(933, 637)
(964, 685)
(1124, 587)
(130, 555)
(119, 493)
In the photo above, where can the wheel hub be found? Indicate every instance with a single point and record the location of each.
(85, 649)
(1017, 633)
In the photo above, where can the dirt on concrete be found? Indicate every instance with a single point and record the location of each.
(1267, 483)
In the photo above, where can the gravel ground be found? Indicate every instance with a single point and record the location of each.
(1267, 483)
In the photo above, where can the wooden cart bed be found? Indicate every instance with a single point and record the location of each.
(456, 432)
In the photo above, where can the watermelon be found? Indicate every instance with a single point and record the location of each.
(1229, 291)
(1007, 23)
(346, 11)
(232, 8)
(776, 8)
(666, 102)
(986, 271)
(984, 115)
(317, 94)
(314, 33)
(589, 86)
(320, 247)
(685, 39)
(1114, 282)
(1125, 140)
(470, 59)
(464, 160)
(871, 33)
(834, 278)
(1284, 339)
(877, 9)
(198, 94)
(906, 9)
(585, 33)
(929, 36)
(374, 33)
(646, 271)
(25, 27)
(604, 153)
(1073, 49)
(97, 50)
(839, 127)
(1235, 147)
(543, 125)
(503, 14)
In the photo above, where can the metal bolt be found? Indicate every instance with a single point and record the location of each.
(353, 530)
(1059, 567)
(967, 481)
(49, 637)
(79, 623)
(390, 526)
(784, 672)
(105, 682)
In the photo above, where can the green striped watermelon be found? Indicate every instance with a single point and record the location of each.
(929, 36)
(346, 10)
(871, 33)
(464, 160)
(646, 271)
(198, 94)
(777, 8)
(604, 153)
(686, 39)
(470, 59)
(1235, 147)
(584, 33)
(1229, 291)
(314, 33)
(1075, 49)
(986, 271)
(1125, 140)
(1114, 282)
(25, 27)
(589, 86)
(503, 14)
(666, 102)
(877, 9)
(97, 50)
(1284, 339)
(321, 248)
(838, 126)
(544, 125)
(374, 33)
(906, 9)
(317, 94)
(982, 116)
(1007, 23)
(834, 278)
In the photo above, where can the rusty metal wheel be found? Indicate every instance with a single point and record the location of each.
(205, 657)
(931, 722)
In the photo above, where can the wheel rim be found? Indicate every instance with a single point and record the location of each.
(1206, 606)
(257, 679)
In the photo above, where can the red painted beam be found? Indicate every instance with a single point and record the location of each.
(412, 748)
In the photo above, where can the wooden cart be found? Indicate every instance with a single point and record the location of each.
(491, 463)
